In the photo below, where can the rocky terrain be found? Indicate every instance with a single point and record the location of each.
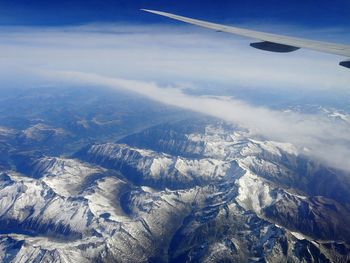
(194, 190)
(199, 192)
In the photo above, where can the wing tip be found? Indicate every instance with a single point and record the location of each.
(156, 12)
(149, 10)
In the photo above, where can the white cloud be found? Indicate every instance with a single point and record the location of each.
(183, 55)
(168, 54)
(322, 139)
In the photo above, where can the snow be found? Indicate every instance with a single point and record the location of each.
(274, 147)
(35, 200)
(218, 143)
(37, 131)
(86, 199)
(341, 116)
(298, 235)
(61, 251)
(104, 199)
(335, 114)
(253, 193)
(204, 168)
(160, 166)
(65, 176)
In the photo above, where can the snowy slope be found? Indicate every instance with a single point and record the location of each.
(209, 193)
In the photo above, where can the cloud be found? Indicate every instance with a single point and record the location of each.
(135, 58)
(313, 135)
(168, 54)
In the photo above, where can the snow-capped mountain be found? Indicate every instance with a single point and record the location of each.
(193, 191)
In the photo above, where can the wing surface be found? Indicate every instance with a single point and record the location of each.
(270, 42)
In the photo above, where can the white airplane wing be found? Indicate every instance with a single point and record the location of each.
(269, 42)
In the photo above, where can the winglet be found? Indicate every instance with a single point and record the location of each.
(151, 11)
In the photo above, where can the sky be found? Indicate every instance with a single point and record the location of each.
(113, 44)
(313, 13)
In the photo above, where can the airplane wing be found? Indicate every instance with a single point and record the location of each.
(269, 42)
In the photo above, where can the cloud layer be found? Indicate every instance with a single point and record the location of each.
(135, 58)
(168, 54)
(317, 137)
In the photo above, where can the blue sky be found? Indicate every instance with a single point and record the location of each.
(313, 13)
